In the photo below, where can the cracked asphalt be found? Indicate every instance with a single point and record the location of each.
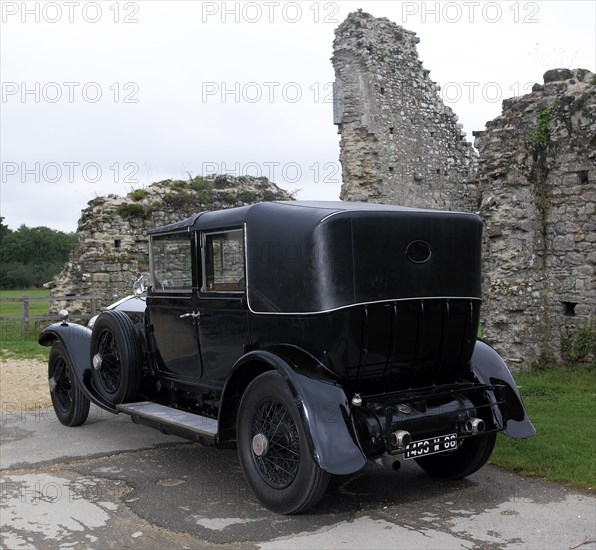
(113, 484)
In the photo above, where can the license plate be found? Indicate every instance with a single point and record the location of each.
(431, 446)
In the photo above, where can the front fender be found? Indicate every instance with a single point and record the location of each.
(77, 343)
(323, 407)
(489, 368)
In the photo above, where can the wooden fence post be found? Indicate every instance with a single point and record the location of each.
(25, 313)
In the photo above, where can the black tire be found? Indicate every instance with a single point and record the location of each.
(116, 357)
(70, 403)
(464, 461)
(284, 477)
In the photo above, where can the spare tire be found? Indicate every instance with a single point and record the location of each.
(116, 357)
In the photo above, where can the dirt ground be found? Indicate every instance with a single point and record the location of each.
(24, 385)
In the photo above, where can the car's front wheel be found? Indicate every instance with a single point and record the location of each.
(70, 403)
(470, 456)
(273, 449)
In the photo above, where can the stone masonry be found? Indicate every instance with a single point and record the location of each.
(399, 142)
(112, 247)
(537, 179)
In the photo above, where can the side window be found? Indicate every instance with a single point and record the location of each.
(223, 261)
(171, 262)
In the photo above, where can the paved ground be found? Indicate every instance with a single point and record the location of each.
(112, 484)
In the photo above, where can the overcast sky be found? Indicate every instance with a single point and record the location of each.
(103, 97)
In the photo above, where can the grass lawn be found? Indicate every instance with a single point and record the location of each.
(561, 404)
(13, 309)
(21, 348)
(13, 343)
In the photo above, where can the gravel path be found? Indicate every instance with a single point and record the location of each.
(23, 385)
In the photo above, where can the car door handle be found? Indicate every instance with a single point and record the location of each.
(194, 315)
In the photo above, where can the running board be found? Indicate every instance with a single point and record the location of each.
(170, 420)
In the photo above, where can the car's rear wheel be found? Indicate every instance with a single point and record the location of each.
(273, 448)
(470, 456)
(70, 403)
(116, 357)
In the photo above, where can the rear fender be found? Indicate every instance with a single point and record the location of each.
(77, 343)
(489, 368)
(322, 403)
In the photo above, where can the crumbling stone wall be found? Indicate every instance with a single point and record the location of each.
(112, 247)
(399, 142)
(537, 178)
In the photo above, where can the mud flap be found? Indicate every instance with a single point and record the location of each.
(489, 368)
(325, 413)
(77, 342)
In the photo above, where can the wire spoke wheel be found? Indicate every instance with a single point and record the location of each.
(70, 404)
(279, 465)
(273, 448)
(62, 383)
(111, 368)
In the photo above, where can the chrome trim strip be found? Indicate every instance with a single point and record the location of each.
(386, 301)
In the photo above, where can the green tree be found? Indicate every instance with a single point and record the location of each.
(31, 256)
(4, 230)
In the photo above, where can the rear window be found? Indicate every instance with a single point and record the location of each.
(223, 262)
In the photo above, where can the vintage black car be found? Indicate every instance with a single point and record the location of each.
(312, 336)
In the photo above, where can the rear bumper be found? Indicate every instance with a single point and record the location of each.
(389, 423)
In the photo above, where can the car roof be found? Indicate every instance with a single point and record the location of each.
(310, 256)
(230, 217)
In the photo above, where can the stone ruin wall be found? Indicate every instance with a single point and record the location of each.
(112, 244)
(399, 142)
(533, 182)
(537, 179)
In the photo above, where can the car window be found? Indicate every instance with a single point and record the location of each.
(223, 261)
(171, 259)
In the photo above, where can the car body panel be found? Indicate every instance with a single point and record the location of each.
(365, 310)
(489, 368)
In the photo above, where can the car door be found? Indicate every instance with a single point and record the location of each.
(223, 321)
(172, 304)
